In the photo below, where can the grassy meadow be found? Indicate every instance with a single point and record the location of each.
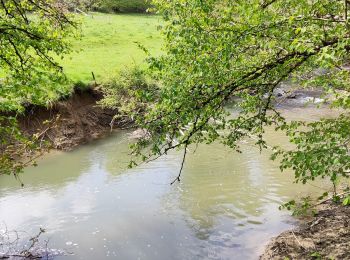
(109, 43)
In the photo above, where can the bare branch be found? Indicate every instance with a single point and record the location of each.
(182, 165)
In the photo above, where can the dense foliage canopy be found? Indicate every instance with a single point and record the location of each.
(123, 6)
(217, 50)
(109, 6)
(32, 34)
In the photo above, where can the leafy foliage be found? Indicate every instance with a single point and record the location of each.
(17, 150)
(241, 51)
(131, 91)
(32, 32)
(123, 6)
(302, 208)
(108, 6)
(86, 5)
(321, 150)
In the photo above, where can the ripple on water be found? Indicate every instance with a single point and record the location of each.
(223, 208)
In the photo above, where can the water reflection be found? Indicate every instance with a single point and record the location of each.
(224, 208)
(230, 201)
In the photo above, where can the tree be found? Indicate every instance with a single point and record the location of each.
(33, 35)
(217, 50)
(87, 5)
(123, 6)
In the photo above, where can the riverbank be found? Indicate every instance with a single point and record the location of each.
(325, 236)
(71, 122)
(80, 120)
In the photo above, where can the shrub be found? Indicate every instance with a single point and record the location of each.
(85, 5)
(123, 6)
(130, 92)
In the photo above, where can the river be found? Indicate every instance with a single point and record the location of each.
(225, 207)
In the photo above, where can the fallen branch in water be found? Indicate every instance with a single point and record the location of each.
(12, 246)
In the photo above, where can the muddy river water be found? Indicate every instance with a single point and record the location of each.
(226, 206)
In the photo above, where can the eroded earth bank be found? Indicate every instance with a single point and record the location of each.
(71, 122)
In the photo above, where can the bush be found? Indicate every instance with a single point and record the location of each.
(130, 92)
(85, 5)
(107, 6)
(123, 6)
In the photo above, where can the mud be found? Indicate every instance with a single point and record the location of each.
(325, 236)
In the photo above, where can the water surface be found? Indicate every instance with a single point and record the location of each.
(226, 206)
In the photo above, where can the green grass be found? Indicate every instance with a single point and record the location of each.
(108, 45)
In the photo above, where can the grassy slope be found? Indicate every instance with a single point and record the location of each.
(108, 44)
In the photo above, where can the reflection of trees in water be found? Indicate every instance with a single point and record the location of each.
(65, 181)
(117, 154)
(58, 168)
(218, 183)
(54, 170)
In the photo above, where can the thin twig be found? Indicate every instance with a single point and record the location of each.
(182, 166)
(297, 239)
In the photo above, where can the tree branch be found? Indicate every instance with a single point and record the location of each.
(182, 165)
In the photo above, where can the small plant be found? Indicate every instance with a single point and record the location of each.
(346, 200)
(316, 255)
(304, 207)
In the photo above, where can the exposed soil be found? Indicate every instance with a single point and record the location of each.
(79, 120)
(70, 122)
(325, 236)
